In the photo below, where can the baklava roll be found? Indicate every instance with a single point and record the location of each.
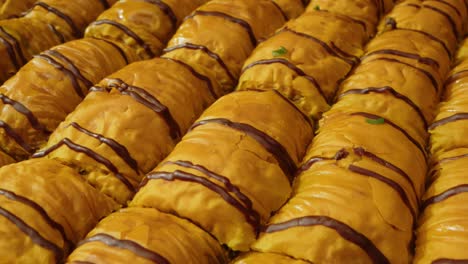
(255, 258)
(48, 23)
(442, 231)
(408, 95)
(144, 236)
(297, 60)
(442, 20)
(200, 42)
(130, 122)
(49, 87)
(13, 8)
(52, 84)
(146, 25)
(451, 123)
(364, 12)
(45, 209)
(356, 198)
(234, 168)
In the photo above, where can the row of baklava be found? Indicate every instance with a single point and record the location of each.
(235, 166)
(46, 24)
(356, 196)
(442, 231)
(53, 83)
(95, 160)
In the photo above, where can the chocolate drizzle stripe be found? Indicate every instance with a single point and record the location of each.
(88, 152)
(20, 108)
(431, 78)
(117, 47)
(292, 67)
(364, 153)
(145, 98)
(389, 182)
(463, 188)
(450, 261)
(389, 90)
(230, 18)
(166, 9)
(270, 144)
(332, 50)
(285, 17)
(60, 67)
(341, 154)
(10, 132)
(432, 37)
(456, 76)
(345, 231)
(410, 138)
(57, 33)
(104, 4)
(35, 236)
(252, 217)
(119, 149)
(447, 16)
(132, 246)
(81, 262)
(452, 158)
(444, 121)
(128, 32)
(225, 180)
(66, 18)
(73, 68)
(454, 8)
(424, 60)
(16, 45)
(305, 2)
(36, 207)
(11, 52)
(346, 17)
(196, 74)
(208, 52)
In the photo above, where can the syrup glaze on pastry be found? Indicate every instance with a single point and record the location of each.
(356, 198)
(51, 85)
(441, 232)
(46, 24)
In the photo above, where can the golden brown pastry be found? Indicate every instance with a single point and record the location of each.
(255, 257)
(161, 101)
(46, 24)
(13, 8)
(364, 12)
(233, 169)
(220, 56)
(448, 129)
(147, 236)
(441, 232)
(45, 208)
(129, 128)
(446, 24)
(49, 87)
(356, 197)
(297, 59)
(146, 25)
